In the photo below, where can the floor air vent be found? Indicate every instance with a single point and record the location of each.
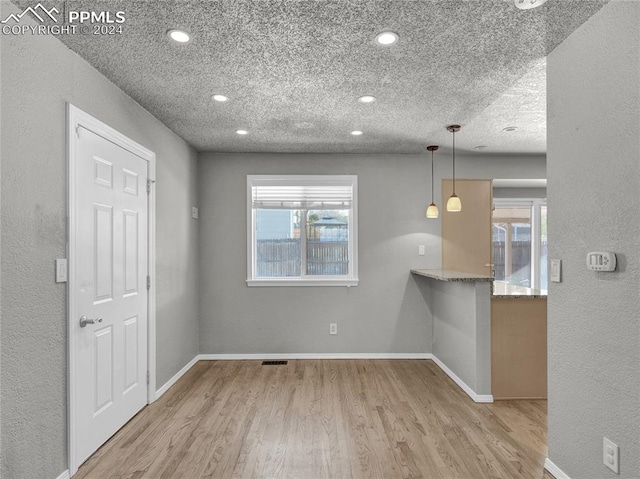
(274, 363)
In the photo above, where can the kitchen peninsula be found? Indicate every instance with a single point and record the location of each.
(460, 304)
(489, 338)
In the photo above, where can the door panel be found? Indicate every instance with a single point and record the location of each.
(103, 371)
(130, 252)
(103, 252)
(110, 268)
(131, 353)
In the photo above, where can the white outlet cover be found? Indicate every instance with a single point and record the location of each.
(194, 212)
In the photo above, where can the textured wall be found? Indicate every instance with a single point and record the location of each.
(593, 82)
(39, 75)
(387, 312)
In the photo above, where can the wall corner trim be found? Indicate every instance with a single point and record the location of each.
(479, 398)
(164, 388)
(554, 470)
(64, 475)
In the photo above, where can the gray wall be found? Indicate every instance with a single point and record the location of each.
(593, 81)
(39, 75)
(387, 312)
(462, 330)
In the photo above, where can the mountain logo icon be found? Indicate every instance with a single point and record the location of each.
(39, 12)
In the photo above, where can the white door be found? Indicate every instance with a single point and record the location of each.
(110, 267)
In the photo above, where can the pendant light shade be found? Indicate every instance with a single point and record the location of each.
(432, 210)
(454, 204)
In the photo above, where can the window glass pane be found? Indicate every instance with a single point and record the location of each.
(512, 244)
(277, 243)
(327, 242)
(543, 249)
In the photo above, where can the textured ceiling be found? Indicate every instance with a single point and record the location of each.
(293, 70)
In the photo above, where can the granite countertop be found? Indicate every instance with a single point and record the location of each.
(505, 290)
(449, 275)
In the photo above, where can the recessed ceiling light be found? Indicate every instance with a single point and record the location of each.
(220, 98)
(528, 4)
(386, 38)
(179, 36)
(480, 147)
(510, 128)
(367, 99)
(242, 132)
(356, 133)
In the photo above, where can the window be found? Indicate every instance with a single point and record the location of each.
(520, 242)
(302, 230)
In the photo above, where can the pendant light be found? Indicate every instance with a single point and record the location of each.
(432, 210)
(454, 204)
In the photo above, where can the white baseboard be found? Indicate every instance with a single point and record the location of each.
(554, 470)
(64, 475)
(481, 398)
(270, 356)
(176, 376)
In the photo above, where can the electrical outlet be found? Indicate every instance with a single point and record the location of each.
(333, 328)
(194, 212)
(611, 455)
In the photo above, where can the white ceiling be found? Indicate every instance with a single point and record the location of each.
(293, 70)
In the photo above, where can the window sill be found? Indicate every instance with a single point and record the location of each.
(303, 282)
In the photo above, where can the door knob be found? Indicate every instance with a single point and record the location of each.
(84, 321)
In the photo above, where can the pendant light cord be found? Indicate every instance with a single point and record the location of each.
(431, 176)
(454, 162)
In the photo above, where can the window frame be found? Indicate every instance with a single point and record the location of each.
(351, 279)
(536, 234)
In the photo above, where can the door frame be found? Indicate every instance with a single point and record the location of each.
(77, 119)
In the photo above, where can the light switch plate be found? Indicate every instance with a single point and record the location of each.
(611, 455)
(421, 250)
(194, 212)
(556, 270)
(61, 270)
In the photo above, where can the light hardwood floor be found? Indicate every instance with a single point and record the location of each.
(358, 419)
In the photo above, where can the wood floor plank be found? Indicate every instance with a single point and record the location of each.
(324, 419)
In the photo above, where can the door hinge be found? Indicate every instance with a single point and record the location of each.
(78, 130)
(149, 183)
(148, 282)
